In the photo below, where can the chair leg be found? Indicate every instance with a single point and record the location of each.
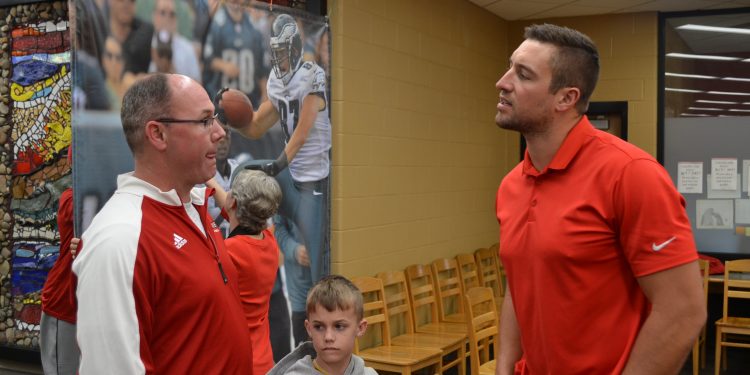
(695, 357)
(462, 363)
(717, 361)
(703, 349)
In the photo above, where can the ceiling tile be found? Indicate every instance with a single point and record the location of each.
(516, 9)
(673, 5)
(571, 11)
(483, 3)
(614, 4)
(519, 9)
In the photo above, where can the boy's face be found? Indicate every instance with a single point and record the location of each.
(333, 334)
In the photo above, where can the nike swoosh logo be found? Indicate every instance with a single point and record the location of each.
(662, 245)
(317, 193)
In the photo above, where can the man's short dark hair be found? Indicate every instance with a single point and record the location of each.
(576, 63)
(147, 99)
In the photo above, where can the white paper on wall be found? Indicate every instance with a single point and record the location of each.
(690, 177)
(714, 214)
(723, 173)
(724, 194)
(742, 211)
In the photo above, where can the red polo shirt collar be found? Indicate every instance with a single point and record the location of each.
(569, 148)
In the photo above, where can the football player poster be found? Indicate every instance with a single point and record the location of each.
(279, 57)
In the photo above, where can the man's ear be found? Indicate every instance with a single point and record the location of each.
(568, 97)
(155, 134)
(362, 328)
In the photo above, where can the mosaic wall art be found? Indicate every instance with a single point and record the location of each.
(35, 133)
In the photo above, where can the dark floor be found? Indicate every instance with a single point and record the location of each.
(739, 362)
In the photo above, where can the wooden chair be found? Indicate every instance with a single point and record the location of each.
(424, 302)
(448, 289)
(483, 329)
(467, 269)
(730, 328)
(487, 368)
(381, 354)
(495, 248)
(699, 348)
(401, 321)
(489, 275)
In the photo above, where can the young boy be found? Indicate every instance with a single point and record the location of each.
(334, 321)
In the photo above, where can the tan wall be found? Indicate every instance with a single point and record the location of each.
(417, 157)
(628, 51)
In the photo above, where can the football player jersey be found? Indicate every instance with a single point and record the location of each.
(238, 43)
(311, 162)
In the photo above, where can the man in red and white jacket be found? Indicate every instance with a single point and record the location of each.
(157, 292)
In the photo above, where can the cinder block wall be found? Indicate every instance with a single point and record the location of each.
(628, 49)
(417, 157)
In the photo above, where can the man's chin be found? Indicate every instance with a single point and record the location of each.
(210, 172)
(504, 123)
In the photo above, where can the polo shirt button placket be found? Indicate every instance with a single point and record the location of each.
(532, 203)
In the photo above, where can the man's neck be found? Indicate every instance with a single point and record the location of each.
(542, 147)
(155, 176)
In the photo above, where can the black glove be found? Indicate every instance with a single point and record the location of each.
(219, 110)
(271, 168)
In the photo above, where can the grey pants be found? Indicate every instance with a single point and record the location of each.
(57, 341)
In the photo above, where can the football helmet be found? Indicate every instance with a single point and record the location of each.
(286, 47)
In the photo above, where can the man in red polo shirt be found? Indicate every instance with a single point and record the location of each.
(598, 250)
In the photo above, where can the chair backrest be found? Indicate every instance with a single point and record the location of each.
(447, 287)
(467, 268)
(422, 294)
(495, 248)
(375, 313)
(704, 265)
(488, 271)
(482, 321)
(736, 282)
(396, 293)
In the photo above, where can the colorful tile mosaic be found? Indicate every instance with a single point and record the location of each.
(35, 123)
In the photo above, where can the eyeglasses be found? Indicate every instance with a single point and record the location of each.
(206, 122)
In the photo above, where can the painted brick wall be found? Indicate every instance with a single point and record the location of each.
(417, 156)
